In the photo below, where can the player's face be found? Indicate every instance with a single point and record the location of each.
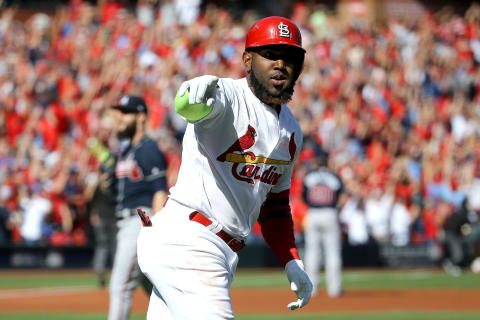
(272, 72)
(126, 124)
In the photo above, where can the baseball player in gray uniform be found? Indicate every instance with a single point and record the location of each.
(140, 183)
(239, 150)
(322, 191)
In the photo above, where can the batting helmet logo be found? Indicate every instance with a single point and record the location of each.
(283, 30)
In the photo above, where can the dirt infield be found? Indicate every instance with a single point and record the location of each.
(272, 300)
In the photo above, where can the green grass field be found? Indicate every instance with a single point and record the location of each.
(363, 279)
(358, 279)
(370, 279)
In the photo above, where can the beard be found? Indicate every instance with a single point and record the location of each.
(128, 132)
(266, 97)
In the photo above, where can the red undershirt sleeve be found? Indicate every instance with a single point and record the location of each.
(276, 223)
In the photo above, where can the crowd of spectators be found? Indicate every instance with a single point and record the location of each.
(395, 104)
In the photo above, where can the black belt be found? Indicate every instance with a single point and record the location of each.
(234, 243)
(127, 213)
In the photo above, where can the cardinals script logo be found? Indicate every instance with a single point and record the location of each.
(255, 167)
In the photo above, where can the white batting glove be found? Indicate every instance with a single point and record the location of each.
(201, 89)
(299, 283)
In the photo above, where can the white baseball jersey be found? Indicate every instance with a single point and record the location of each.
(235, 156)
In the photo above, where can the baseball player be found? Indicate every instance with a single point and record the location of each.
(140, 183)
(322, 190)
(239, 149)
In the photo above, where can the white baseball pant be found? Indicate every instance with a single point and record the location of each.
(126, 274)
(190, 267)
(323, 245)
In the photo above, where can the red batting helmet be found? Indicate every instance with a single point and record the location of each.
(274, 30)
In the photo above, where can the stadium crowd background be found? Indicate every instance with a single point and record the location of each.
(395, 105)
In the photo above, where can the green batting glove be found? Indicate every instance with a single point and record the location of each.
(190, 98)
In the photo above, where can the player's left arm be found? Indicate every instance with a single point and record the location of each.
(276, 224)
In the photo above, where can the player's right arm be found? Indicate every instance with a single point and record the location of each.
(195, 99)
